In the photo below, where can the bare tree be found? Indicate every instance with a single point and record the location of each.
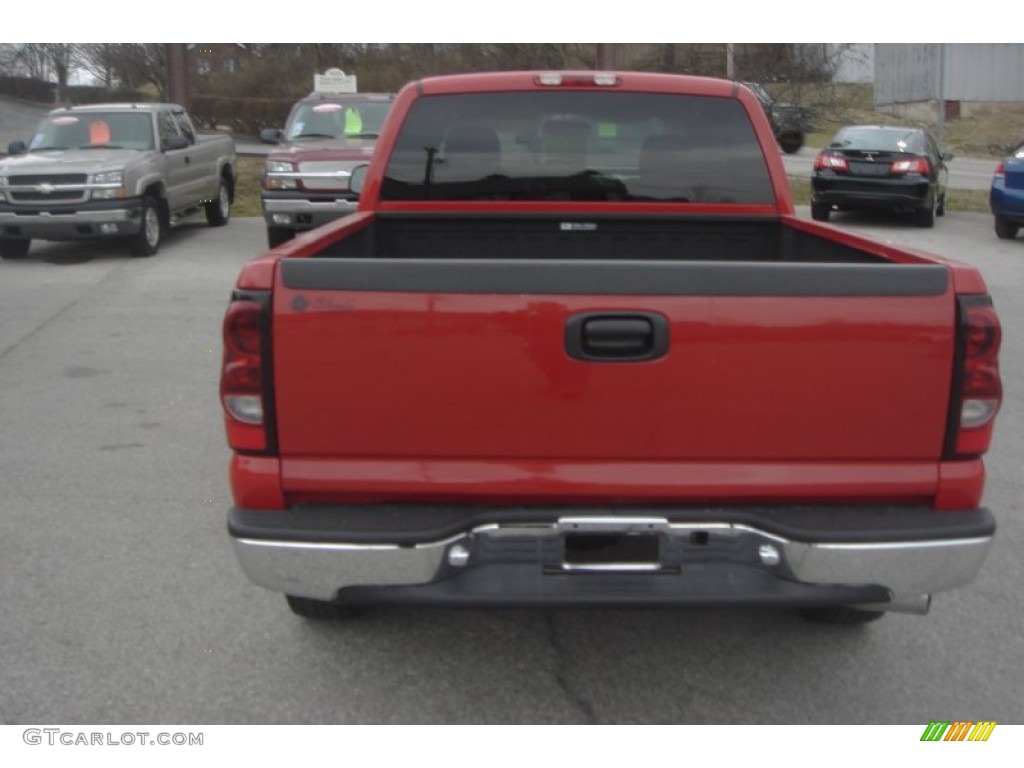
(100, 60)
(137, 65)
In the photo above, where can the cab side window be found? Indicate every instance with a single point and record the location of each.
(166, 126)
(185, 127)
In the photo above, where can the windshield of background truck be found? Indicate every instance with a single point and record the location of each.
(84, 130)
(582, 145)
(337, 119)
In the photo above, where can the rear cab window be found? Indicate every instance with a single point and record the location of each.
(595, 146)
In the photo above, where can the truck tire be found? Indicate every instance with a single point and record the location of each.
(1004, 229)
(791, 142)
(820, 211)
(320, 610)
(218, 210)
(278, 235)
(840, 614)
(14, 247)
(147, 241)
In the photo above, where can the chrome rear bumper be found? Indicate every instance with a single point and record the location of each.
(696, 563)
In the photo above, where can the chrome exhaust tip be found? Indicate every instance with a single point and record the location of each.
(919, 604)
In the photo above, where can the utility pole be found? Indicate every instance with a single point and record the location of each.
(606, 56)
(177, 74)
(730, 66)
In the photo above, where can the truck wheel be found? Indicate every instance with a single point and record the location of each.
(840, 614)
(320, 610)
(278, 235)
(791, 142)
(820, 211)
(1004, 229)
(14, 247)
(218, 211)
(147, 241)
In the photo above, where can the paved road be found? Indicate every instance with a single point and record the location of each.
(123, 602)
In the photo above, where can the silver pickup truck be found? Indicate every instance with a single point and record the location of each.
(113, 170)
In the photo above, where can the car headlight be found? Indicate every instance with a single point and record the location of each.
(272, 181)
(113, 185)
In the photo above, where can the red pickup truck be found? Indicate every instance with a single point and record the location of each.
(575, 348)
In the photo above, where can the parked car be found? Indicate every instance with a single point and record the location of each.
(306, 180)
(1007, 196)
(888, 167)
(790, 122)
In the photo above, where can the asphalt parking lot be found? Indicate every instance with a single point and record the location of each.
(123, 602)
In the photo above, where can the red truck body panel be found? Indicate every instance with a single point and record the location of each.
(757, 379)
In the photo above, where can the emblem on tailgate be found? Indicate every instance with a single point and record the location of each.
(578, 226)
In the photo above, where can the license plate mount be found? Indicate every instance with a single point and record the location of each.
(612, 551)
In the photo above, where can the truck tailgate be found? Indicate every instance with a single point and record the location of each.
(477, 362)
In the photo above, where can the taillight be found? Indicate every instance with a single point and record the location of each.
(979, 391)
(913, 165)
(1001, 170)
(242, 386)
(827, 161)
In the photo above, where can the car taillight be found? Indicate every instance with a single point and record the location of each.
(242, 384)
(827, 161)
(914, 165)
(978, 390)
(1001, 170)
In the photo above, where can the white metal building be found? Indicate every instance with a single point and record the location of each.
(959, 73)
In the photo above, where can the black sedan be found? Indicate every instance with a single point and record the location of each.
(881, 167)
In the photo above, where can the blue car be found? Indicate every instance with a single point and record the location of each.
(1007, 195)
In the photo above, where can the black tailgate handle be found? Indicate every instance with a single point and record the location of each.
(616, 336)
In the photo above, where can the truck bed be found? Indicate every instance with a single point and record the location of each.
(657, 237)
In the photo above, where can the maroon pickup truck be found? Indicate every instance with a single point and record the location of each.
(307, 174)
(576, 349)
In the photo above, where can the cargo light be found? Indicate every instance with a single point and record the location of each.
(242, 383)
(606, 79)
(979, 391)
